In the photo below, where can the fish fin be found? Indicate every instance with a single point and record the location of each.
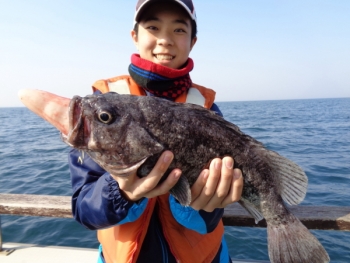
(293, 242)
(251, 209)
(293, 180)
(182, 191)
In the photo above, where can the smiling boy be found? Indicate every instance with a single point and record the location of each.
(163, 35)
(136, 218)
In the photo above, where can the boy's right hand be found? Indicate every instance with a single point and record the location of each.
(134, 188)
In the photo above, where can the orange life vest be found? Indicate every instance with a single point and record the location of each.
(122, 243)
(126, 85)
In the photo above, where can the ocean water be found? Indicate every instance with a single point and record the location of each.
(313, 133)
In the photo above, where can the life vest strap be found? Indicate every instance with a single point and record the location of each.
(119, 86)
(195, 97)
(122, 87)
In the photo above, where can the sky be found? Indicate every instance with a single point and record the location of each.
(246, 50)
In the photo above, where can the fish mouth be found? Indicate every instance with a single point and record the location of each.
(77, 136)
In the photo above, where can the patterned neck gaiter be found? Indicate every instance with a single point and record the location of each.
(159, 80)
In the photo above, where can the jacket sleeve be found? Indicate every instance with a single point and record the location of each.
(97, 201)
(216, 109)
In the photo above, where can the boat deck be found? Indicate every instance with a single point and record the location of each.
(28, 253)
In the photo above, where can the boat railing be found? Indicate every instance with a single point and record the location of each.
(313, 217)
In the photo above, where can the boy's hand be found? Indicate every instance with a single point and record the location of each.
(134, 187)
(217, 186)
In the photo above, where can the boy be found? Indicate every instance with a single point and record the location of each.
(138, 220)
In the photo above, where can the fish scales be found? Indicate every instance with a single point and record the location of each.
(198, 142)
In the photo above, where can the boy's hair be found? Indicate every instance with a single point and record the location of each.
(193, 29)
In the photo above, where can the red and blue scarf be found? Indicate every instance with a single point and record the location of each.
(159, 80)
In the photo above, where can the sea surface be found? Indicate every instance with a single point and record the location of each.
(313, 133)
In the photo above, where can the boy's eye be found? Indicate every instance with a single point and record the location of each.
(152, 28)
(180, 30)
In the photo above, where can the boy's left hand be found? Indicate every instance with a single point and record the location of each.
(218, 186)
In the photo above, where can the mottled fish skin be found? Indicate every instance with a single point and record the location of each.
(125, 134)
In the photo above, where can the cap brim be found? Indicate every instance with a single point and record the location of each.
(145, 4)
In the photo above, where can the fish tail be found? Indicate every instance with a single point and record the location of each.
(293, 242)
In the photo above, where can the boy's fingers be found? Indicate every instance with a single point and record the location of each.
(165, 186)
(197, 187)
(149, 182)
(236, 188)
(223, 187)
(209, 188)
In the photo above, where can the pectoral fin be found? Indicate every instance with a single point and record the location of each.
(251, 209)
(182, 191)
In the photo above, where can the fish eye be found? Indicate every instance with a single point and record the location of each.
(105, 117)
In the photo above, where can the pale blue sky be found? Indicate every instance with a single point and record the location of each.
(246, 50)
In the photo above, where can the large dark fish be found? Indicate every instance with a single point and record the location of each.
(125, 134)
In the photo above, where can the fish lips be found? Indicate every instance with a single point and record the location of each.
(79, 130)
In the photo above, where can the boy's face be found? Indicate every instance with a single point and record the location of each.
(164, 35)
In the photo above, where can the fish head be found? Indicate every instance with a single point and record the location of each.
(110, 130)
